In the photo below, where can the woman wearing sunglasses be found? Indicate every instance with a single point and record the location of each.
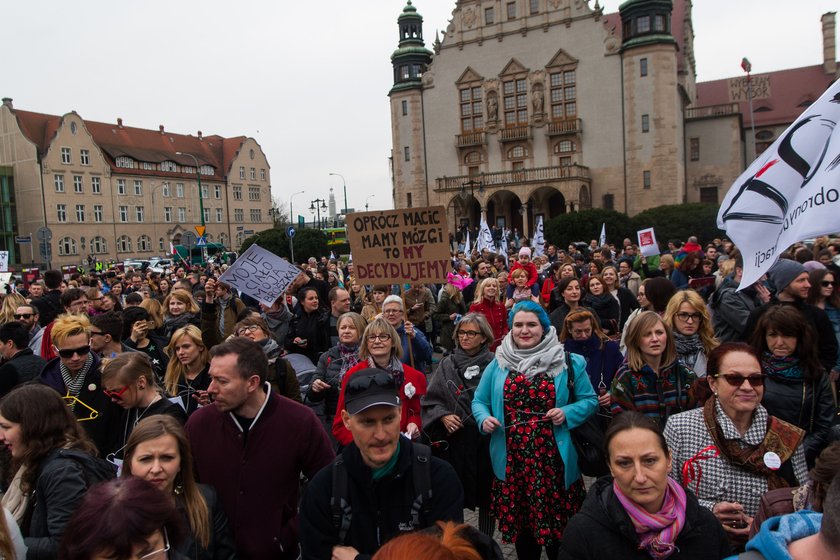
(129, 381)
(690, 322)
(281, 374)
(797, 388)
(731, 451)
(381, 349)
(824, 294)
(448, 418)
(159, 452)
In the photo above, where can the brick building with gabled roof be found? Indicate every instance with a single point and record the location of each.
(133, 190)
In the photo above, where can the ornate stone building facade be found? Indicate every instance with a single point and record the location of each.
(116, 192)
(529, 108)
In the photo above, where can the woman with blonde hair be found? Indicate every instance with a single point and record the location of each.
(188, 373)
(10, 304)
(487, 302)
(155, 310)
(690, 322)
(180, 310)
(158, 451)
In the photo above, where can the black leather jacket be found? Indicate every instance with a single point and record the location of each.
(222, 546)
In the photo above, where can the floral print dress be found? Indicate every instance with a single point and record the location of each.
(532, 497)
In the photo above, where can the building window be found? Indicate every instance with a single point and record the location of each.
(65, 155)
(170, 166)
(223, 239)
(262, 175)
(659, 23)
(124, 244)
(535, 7)
(609, 201)
(125, 161)
(84, 157)
(139, 212)
(256, 215)
(67, 246)
(97, 213)
(179, 190)
(645, 123)
(217, 192)
(188, 169)
(238, 215)
(61, 212)
(78, 187)
(218, 215)
(563, 94)
(709, 195)
(206, 170)
(472, 157)
(643, 24)
(206, 215)
(646, 179)
(80, 213)
(517, 152)
(237, 192)
(564, 147)
(96, 185)
(98, 245)
(144, 244)
(205, 192)
(182, 214)
(408, 200)
(138, 187)
(404, 107)
(166, 190)
(160, 244)
(694, 149)
(148, 166)
(515, 102)
(59, 183)
(488, 16)
(120, 186)
(643, 69)
(472, 116)
(406, 153)
(253, 193)
(123, 213)
(241, 171)
(253, 174)
(511, 10)
(167, 214)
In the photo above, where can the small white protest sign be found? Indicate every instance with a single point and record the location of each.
(261, 274)
(647, 242)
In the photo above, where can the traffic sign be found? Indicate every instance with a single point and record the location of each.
(290, 232)
(200, 230)
(188, 238)
(249, 232)
(44, 234)
(23, 239)
(201, 242)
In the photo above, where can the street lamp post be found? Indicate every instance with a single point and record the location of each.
(746, 66)
(366, 201)
(314, 207)
(291, 211)
(344, 183)
(198, 177)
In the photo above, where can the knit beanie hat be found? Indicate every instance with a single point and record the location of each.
(784, 272)
(525, 251)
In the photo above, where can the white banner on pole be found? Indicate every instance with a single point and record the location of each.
(485, 238)
(648, 246)
(790, 192)
(602, 240)
(261, 274)
(467, 248)
(539, 238)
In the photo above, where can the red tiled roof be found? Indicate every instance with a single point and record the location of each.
(140, 144)
(791, 91)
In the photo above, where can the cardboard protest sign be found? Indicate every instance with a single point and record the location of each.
(396, 246)
(261, 274)
(4, 261)
(648, 246)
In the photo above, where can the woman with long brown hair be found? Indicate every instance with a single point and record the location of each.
(158, 451)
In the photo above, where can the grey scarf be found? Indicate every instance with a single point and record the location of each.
(548, 356)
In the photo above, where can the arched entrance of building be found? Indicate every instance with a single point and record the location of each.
(466, 211)
(547, 202)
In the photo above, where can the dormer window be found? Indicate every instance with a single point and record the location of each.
(126, 162)
(206, 170)
(168, 166)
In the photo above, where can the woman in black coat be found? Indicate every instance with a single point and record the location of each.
(605, 305)
(627, 302)
(610, 524)
(309, 330)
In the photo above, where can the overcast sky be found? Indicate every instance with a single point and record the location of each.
(308, 80)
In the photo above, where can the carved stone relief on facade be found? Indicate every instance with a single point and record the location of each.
(468, 17)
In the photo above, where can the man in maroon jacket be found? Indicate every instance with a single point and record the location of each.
(252, 445)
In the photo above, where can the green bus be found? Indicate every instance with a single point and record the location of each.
(196, 255)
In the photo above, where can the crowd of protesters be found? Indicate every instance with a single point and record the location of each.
(716, 403)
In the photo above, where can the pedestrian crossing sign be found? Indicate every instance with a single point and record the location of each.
(201, 242)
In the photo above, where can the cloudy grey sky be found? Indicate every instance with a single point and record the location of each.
(309, 80)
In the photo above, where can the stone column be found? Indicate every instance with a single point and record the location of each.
(526, 227)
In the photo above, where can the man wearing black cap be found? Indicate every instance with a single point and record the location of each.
(381, 485)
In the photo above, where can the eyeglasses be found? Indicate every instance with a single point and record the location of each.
(392, 311)
(161, 553)
(360, 383)
(68, 352)
(26, 316)
(116, 394)
(385, 337)
(824, 284)
(96, 333)
(689, 317)
(468, 334)
(244, 330)
(755, 380)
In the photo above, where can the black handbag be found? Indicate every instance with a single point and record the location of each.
(588, 438)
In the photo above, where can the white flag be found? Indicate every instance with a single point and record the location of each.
(485, 238)
(467, 248)
(790, 192)
(602, 240)
(539, 238)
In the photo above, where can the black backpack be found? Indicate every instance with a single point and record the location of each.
(342, 512)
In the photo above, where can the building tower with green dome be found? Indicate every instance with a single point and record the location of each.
(410, 61)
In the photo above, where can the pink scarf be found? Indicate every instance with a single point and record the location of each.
(657, 531)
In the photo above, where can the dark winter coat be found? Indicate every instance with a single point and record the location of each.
(607, 309)
(602, 530)
(221, 545)
(445, 308)
(627, 303)
(381, 509)
(731, 309)
(21, 368)
(312, 327)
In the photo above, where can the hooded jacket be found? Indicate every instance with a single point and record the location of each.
(602, 530)
(778, 532)
(731, 309)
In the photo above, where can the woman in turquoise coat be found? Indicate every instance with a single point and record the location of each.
(522, 401)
